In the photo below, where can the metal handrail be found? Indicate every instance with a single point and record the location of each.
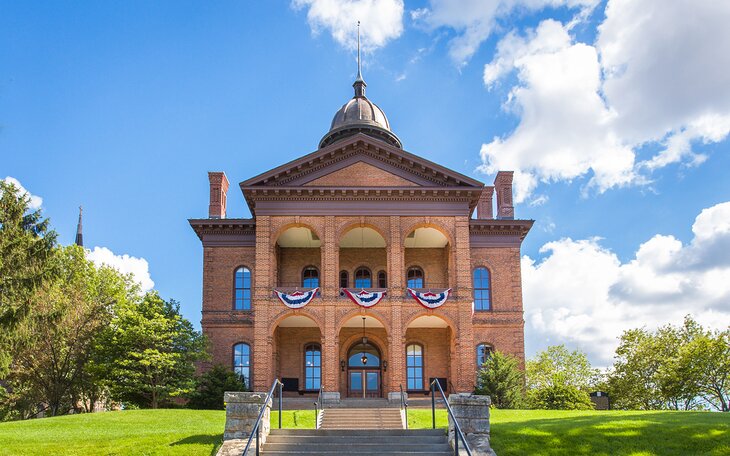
(256, 430)
(404, 404)
(318, 407)
(457, 430)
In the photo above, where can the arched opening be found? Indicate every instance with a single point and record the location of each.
(298, 355)
(362, 252)
(429, 351)
(427, 259)
(298, 259)
(362, 358)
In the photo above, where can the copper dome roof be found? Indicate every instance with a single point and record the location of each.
(360, 115)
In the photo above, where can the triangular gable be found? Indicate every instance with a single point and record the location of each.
(361, 148)
(360, 174)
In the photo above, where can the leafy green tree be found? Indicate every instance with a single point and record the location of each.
(150, 351)
(58, 336)
(648, 373)
(211, 385)
(706, 360)
(559, 378)
(26, 249)
(501, 379)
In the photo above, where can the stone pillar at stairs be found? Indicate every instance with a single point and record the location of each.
(472, 414)
(242, 409)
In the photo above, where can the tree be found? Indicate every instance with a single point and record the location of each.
(26, 249)
(648, 373)
(501, 379)
(211, 386)
(58, 336)
(149, 352)
(558, 378)
(706, 359)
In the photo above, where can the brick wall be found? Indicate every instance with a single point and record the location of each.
(434, 262)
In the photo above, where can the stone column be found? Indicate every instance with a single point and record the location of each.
(472, 413)
(242, 409)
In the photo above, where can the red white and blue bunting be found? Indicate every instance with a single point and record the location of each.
(365, 298)
(298, 299)
(429, 299)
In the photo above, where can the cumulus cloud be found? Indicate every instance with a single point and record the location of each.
(653, 77)
(475, 20)
(381, 20)
(35, 201)
(138, 267)
(583, 295)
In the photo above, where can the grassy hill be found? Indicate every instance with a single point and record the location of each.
(514, 432)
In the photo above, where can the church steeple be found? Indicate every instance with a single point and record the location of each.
(79, 233)
(359, 83)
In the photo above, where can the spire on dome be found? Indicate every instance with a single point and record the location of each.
(359, 83)
(79, 234)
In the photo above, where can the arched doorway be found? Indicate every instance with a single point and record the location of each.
(364, 370)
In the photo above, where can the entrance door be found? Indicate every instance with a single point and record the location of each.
(363, 371)
(364, 383)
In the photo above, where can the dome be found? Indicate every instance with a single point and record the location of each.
(360, 115)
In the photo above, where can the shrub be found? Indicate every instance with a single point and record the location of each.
(500, 378)
(559, 397)
(211, 385)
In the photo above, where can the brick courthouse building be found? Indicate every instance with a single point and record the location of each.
(384, 277)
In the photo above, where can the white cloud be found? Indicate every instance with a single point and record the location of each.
(381, 20)
(564, 129)
(655, 77)
(475, 20)
(583, 295)
(35, 201)
(138, 267)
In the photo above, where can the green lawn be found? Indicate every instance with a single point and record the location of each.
(514, 432)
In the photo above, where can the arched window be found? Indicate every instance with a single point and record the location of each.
(414, 366)
(484, 351)
(382, 279)
(415, 277)
(242, 289)
(242, 362)
(312, 366)
(363, 279)
(482, 297)
(344, 279)
(310, 277)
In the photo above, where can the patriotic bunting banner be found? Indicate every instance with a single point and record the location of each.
(365, 298)
(298, 299)
(429, 299)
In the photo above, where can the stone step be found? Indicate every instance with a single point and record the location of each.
(355, 432)
(350, 438)
(374, 447)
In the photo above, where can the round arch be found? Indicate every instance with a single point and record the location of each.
(287, 226)
(353, 225)
(431, 314)
(435, 225)
(362, 313)
(298, 313)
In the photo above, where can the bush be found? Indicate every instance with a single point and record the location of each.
(559, 397)
(500, 379)
(210, 387)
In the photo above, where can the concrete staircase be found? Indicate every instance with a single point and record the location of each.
(357, 442)
(362, 418)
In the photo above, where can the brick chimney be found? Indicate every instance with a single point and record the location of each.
(503, 186)
(484, 206)
(218, 191)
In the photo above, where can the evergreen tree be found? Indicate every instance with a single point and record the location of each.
(500, 378)
(26, 249)
(211, 386)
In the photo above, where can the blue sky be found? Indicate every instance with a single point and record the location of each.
(123, 107)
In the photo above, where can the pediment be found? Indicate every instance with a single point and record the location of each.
(360, 174)
(348, 163)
